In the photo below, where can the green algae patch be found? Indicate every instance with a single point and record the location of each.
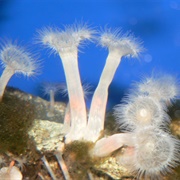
(78, 160)
(16, 118)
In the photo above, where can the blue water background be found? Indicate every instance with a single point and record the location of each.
(155, 22)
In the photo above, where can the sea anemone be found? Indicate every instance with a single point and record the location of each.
(118, 45)
(156, 152)
(163, 88)
(140, 111)
(15, 60)
(66, 43)
(51, 89)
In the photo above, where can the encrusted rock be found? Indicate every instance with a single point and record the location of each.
(46, 134)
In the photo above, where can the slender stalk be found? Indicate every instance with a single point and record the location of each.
(76, 95)
(67, 120)
(99, 101)
(67, 117)
(7, 74)
(52, 102)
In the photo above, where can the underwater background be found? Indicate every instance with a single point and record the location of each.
(155, 22)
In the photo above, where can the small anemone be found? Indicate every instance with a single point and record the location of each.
(15, 59)
(139, 112)
(163, 88)
(156, 152)
(51, 89)
(18, 59)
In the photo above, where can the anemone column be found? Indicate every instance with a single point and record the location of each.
(66, 44)
(118, 46)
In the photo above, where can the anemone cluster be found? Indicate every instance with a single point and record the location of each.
(144, 114)
(151, 151)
